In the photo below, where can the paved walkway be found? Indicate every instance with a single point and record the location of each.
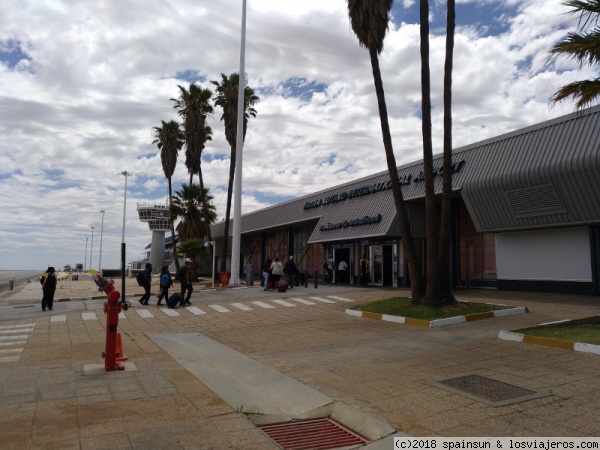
(378, 372)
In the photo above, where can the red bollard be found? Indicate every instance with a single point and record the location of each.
(112, 308)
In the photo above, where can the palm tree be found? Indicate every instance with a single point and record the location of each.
(584, 48)
(193, 105)
(227, 98)
(446, 218)
(369, 21)
(193, 205)
(169, 140)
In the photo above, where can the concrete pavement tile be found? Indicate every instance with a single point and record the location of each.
(112, 441)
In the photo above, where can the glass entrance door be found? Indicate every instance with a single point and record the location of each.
(376, 263)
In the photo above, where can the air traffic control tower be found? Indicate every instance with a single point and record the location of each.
(158, 222)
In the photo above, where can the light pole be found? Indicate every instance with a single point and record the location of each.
(125, 174)
(85, 259)
(212, 244)
(101, 233)
(92, 248)
(237, 199)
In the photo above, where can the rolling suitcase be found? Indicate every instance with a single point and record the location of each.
(282, 286)
(174, 300)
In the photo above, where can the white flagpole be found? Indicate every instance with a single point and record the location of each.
(237, 199)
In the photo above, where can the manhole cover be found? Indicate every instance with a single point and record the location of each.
(487, 390)
(323, 433)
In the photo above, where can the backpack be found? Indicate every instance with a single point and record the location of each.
(180, 274)
(165, 280)
(141, 279)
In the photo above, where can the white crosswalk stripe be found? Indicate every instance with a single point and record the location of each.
(89, 316)
(12, 338)
(242, 306)
(263, 305)
(321, 299)
(341, 299)
(301, 300)
(219, 308)
(170, 312)
(144, 313)
(59, 318)
(195, 310)
(284, 303)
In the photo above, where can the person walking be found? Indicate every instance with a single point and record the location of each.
(147, 282)
(165, 283)
(330, 266)
(343, 272)
(267, 273)
(186, 282)
(364, 270)
(276, 272)
(290, 270)
(49, 282)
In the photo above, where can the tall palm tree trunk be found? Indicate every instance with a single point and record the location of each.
(433, 288)
(414, 270)
(446, 219)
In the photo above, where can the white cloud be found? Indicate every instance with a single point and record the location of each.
(96, 77)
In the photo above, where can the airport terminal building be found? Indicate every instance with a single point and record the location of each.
(526, 215)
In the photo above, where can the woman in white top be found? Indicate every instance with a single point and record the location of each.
(276, 271)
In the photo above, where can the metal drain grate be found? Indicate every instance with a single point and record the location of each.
(493, 392)
(323, 433)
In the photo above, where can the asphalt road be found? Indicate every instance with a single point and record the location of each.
(20, 277)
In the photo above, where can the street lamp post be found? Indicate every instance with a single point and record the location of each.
(212, 244)
(85, 259)
(101, 233)
(125, 174)
(92, 249)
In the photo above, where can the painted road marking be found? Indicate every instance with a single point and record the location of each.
(219, 308)
(284, 303)
(89, 316)
(301, 300)
(59, 318)
(144, 313)
(342, 299)
(195, 310)
(5, 344)
(170, 312)
(263, 305)
(320, 299)
(242, 306)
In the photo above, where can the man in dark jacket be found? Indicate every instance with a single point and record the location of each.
(290, 270)
(147, 282)
(49, 282)
(186, 282)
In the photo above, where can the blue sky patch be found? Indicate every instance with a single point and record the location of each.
(271, 199)
(190, 76)
(11, 53)
(301, 88)
(490, 18)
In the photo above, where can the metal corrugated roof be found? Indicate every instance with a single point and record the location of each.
(543, 175)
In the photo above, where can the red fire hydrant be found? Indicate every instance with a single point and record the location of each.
(112, 308)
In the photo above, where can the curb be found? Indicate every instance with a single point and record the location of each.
(549, 342)
(437, 322)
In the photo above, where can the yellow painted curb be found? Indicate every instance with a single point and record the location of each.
(548, 342)
(372, 315)
(479, 316)
(418, 322)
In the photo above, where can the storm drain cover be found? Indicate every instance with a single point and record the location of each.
(487, 390)
(324, 433)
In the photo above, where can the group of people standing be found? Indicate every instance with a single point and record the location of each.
(274, 271)
(185, 277)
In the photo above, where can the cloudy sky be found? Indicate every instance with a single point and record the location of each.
(82, 84)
